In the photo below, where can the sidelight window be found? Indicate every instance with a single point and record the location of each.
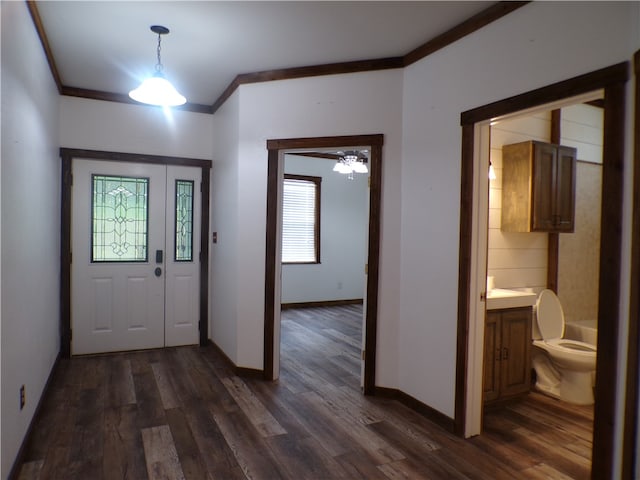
(184, 221)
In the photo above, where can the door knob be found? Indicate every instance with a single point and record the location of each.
(158, 271)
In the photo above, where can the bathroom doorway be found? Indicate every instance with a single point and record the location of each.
(472, 278)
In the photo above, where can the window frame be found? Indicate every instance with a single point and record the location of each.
(317, 181)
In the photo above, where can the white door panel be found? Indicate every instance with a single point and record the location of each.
(124, 305)
(115, 305)
(182, 269)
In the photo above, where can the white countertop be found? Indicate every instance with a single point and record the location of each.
(499, 298)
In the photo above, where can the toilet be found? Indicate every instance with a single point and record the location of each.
(564, 368)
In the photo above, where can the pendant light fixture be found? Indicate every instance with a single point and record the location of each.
(157, 90)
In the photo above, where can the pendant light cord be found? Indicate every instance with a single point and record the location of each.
(159, 66)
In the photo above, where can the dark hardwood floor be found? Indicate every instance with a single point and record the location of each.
(181, 413)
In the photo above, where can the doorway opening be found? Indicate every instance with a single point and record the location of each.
(471, 291)
(273, 267)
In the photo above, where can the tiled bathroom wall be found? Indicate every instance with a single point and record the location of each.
(578, 264)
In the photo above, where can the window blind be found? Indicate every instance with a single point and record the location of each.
(300, 219)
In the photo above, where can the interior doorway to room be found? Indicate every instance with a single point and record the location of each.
(472, 280)
(324, 249)
(278, 150)
(137, 227)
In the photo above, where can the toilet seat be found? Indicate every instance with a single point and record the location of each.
(550, 315)
(565, 345)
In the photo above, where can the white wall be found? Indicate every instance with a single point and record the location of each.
(343, 237)
(30, 172)
(537, 45)
(225, 293)
(363, 103)
(120, 127)
(516, 260)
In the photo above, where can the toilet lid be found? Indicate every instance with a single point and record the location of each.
(549, 315)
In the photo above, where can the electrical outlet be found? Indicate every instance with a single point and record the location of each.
(23, 397)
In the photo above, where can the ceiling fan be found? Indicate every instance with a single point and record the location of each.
(347, 162)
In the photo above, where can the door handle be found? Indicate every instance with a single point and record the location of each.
(157, 271)
(158, 256)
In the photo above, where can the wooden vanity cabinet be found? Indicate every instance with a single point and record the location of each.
(507, 353)
(538, 187)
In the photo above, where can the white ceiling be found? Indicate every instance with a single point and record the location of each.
(107, 45)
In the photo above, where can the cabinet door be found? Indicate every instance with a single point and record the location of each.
(516, 351)
(565, 189)
(492, 355)
(543, 189)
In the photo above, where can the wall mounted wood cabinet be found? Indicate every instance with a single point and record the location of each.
(538, 187)
(507, 353)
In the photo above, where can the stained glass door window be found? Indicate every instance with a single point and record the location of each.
(184, 221)
(119, 209)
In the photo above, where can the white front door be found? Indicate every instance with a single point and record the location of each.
(135, 265)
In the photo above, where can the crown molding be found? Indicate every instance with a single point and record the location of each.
(478, 21)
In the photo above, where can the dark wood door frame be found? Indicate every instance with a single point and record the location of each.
(612, 80)
(630, 439)
(68, 155)
(275, 149)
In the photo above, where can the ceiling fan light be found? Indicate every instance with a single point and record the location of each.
(359, 167)
(157, 90)
(341, 167)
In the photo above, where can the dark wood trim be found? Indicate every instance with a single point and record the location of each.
(44, 41)
(307, 71)
(612, 80)
(239, 371)
(373, 263)
(65, 255)
(454, 34)
(68, 155)
(553, 245)
(325, 142)
(124, 98)
(605, 393)
(598, 103)
(630, 434)
(464, 277)
(479, 20)
(275, 148)
(134, 157)
(558, 91)
(328, 156)
(556, 126)
(204, 255)
(14, 473)
(426, 411)
(270, 262)
(553, 254)
(323, 303)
